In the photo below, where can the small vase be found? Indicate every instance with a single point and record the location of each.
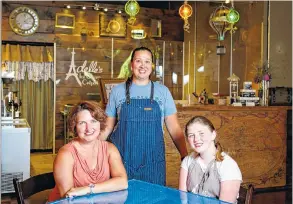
(265, 93)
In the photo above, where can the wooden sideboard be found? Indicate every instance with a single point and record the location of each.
(254, 136)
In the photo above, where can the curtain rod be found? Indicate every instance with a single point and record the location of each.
(4, 42)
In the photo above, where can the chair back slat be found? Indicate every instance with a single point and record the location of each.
(33, 185)
(245, 194)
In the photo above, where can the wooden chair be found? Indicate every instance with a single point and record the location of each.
(245, 194)
(33, 185)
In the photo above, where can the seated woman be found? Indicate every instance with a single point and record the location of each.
(210, 172)
(87, 164)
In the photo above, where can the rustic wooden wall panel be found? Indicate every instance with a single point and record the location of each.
(96, 48)
(255, 137)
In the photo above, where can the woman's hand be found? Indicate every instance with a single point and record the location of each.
(78, 191)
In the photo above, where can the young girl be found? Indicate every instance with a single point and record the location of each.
(210, 172)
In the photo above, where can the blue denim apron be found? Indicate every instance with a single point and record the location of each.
(139, 139)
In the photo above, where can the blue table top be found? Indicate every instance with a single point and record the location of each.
(141, 192)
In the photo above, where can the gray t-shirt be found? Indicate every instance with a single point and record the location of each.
(161, 94)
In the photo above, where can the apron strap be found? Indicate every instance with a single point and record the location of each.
(152, 92)
(128, 84)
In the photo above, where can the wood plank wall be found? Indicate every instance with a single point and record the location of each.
(96, 47)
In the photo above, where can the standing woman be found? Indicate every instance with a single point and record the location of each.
(86, 164)
(208, 171)
(140, 107)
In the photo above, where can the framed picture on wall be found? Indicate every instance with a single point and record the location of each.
(106, 86)
(112, 26)
(156, 28)
(64, 20)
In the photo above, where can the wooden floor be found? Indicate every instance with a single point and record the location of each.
(43, 162)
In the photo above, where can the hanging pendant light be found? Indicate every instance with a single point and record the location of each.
(219, 22)
(232, 17)
(132, 8)
(185, 11)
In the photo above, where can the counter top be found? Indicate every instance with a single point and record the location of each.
(14, 123)
(219, 107)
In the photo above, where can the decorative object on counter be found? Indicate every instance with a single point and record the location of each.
(280, 96)
(237, 104)
(262, 78)
(185, 11)
(211, 101)
(219, 99)
(247, 85)
(222, 101)
(247, 92)
(247, 95)
(233, 87)
(132, 9)
(24, 21)
(203, 97)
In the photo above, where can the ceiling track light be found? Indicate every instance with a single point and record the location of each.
(95, 7)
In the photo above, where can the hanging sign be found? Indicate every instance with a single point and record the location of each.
(84, 74)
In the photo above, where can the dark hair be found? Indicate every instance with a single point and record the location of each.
(141, 49)
(204, 121)
(95, 110)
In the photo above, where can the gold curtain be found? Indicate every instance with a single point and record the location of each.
(27, 53)
(37, 107)
(35, 91)
(37, 61)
